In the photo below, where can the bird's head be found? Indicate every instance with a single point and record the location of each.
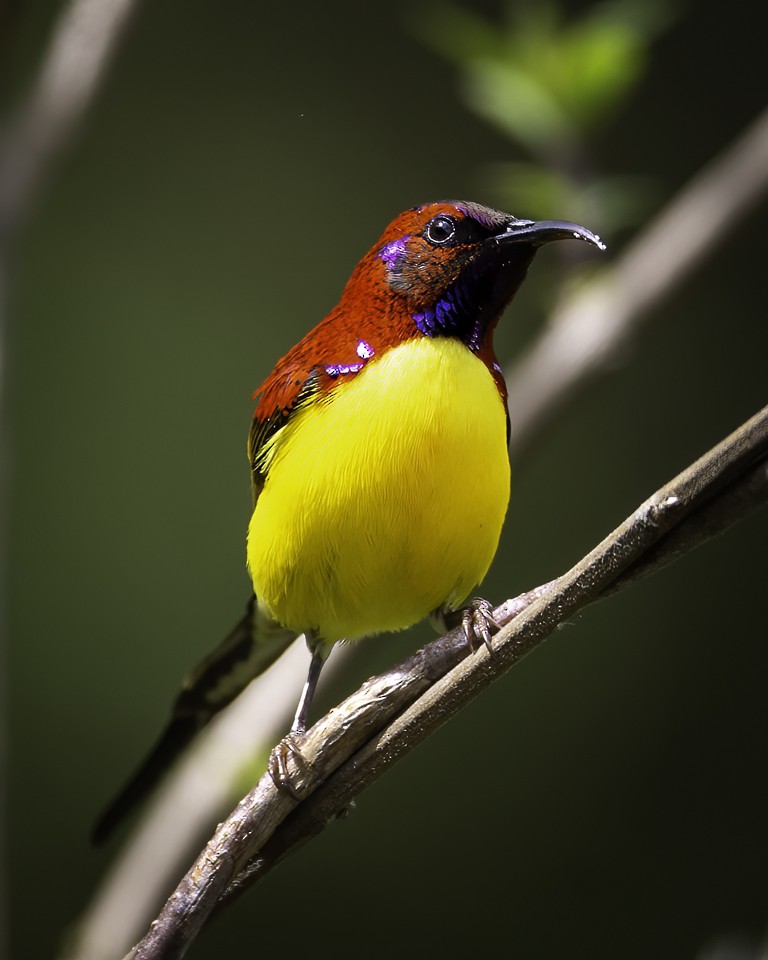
(454, 266)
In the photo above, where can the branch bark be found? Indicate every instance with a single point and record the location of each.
(360, 739)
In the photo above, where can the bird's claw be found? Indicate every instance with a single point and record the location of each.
(476, 621)
(478, 624)
(278, 767)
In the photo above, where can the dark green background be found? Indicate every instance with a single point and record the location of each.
(608, 799)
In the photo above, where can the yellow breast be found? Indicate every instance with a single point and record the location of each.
(385, 499)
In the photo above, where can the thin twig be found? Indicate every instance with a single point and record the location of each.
(593, 325)
(361, 738)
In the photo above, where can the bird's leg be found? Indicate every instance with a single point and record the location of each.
(475, 619)
(278, 761)
(320, 653)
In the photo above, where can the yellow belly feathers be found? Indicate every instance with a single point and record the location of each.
(385, 500)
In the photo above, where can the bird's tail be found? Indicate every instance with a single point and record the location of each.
(252, 647)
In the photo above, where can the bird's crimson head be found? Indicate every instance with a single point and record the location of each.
(457, 265)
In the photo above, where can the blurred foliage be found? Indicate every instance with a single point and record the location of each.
(549, 83)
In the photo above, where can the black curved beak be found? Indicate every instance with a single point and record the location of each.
(539, 232)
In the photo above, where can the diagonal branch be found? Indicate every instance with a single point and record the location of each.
(592, 326)
(332, 798)
(361, 738)
(81, 48)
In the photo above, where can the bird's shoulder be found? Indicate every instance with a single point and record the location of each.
(332, 353)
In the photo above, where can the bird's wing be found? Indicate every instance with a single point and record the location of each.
(330, 353)
(281, 396)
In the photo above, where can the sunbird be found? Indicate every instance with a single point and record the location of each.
(379, 462)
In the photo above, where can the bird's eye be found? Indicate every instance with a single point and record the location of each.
(440, 230)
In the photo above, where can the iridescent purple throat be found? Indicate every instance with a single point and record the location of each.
(454, 315)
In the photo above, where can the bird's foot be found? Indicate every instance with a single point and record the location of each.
(478, 623)
(476, 620)
(293, 782)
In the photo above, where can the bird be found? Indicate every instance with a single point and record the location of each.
(378, 453)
